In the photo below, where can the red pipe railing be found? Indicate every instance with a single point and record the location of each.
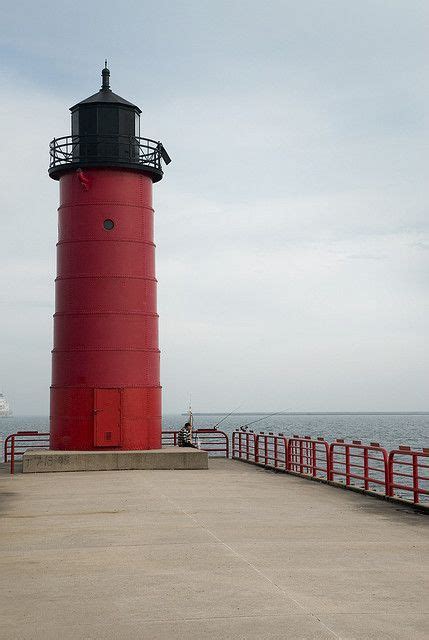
(169, 438)
(243, 445)
(367, 467)
(17, 443)
(409, 472)
(213, 441)
(403, 472)
(358, 464)
(308, 456)
(271, 449)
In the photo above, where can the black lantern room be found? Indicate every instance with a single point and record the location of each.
(106, 132)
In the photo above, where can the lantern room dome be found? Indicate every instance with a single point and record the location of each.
(105, 95)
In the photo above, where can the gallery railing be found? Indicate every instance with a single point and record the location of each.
(110, 150)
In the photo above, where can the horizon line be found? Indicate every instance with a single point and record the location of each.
(306, 413)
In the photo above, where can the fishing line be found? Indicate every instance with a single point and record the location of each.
(277, 413)
(225, 417)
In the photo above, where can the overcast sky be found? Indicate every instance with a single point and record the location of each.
(292, 225)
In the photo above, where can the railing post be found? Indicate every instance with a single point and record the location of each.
(330, 469)
(256, 447)
(6, 444)
(314, 457)
(365, 468)
(386, 473)
(347, 450)
(415, 478)
(12, 456)
(390, 463)
(326, 448)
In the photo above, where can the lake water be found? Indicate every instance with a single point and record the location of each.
(390, 430)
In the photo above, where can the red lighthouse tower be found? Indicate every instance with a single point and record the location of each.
(105, 389)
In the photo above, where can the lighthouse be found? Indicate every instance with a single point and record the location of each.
(105, 391)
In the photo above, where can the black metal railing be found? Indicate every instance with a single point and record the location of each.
(108, 150)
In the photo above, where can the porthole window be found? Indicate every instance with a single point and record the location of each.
(108, 225)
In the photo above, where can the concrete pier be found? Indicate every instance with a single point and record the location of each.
(233, 553)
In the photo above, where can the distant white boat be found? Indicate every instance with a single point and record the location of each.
(5, 411)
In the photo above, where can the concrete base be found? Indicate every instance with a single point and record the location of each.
(37, 461)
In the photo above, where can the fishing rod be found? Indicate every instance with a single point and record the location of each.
(191, 415)
(191, 422)
(276, 413)
(225, 417)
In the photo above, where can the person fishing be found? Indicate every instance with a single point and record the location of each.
(184, 437)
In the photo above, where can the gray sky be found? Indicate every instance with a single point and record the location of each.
(292, 225)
